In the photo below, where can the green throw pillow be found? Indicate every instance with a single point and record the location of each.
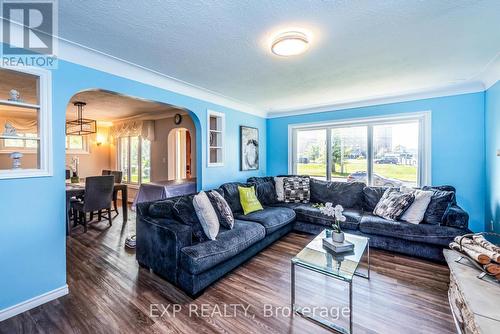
(248, 200)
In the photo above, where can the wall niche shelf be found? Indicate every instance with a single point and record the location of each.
(19, 104)
(25, 123)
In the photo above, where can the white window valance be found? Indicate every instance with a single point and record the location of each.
(20, 124)
(144, 129)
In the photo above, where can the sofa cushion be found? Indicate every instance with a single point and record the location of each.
(183, 211)
(297, 189)
(248, 200)
(265, 189)
(272, 218)
(260, 179)
(441, 200)
(222, 209)
(347, 194)
(286, 205)
(232, 195)
(393, 204)
(308, 213)
(415, 213)
(161, 209)
(204, 255)
(206, 215)
(372, 196)
(266, 192)
(443, 188)
(431, 234)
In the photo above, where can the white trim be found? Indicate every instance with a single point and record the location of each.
(44, 125)
(490, 73)
(33, 302)
(222, 116)
(442, 91)
(425, 146)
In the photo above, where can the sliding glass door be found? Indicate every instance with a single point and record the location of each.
(380, 152)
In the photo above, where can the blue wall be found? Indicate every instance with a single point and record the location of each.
(492, 160)
(32, 238)
(457, 143)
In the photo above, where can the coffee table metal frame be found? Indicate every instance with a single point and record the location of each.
(322, 321)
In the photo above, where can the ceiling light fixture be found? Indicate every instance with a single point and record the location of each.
(80, 126)
(290, 43)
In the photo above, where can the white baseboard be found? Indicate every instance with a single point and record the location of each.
(33, 302)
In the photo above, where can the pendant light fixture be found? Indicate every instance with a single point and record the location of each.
(80, 126)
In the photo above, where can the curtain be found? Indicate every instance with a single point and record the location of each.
(144, 129)
(20, 124)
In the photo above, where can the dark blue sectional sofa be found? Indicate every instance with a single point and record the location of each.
(170, 243)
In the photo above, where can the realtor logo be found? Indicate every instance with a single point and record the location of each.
(28, 30)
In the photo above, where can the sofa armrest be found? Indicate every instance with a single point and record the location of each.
(159, 241)
(455, 216)
(142, 208)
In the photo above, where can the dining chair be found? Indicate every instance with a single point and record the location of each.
(98, 197)
(118, 174)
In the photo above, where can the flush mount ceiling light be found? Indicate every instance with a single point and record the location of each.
(290, 43)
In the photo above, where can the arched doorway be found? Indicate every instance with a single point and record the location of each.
(179, 154)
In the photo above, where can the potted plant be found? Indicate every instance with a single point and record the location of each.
(336, 212)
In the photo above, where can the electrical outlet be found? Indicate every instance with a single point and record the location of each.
(498, 153)
(492, 225)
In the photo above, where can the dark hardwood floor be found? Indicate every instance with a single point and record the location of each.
(109, 293)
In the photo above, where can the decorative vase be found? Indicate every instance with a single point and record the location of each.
(338, 237)
(14, 95)
(16, 159)
(328, 233)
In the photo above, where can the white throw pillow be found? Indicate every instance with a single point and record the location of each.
(280, 188)
(415, 213)
(206, 214)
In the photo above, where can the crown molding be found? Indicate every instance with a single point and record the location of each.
(420, 94)
(492, 76)
(88, 57)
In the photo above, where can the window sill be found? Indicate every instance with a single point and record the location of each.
(77, 152)
(220, 164)
(20, 150)
(23, 173)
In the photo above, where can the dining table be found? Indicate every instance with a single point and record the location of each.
(78, 190)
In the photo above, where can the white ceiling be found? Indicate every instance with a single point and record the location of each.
(105, 106)
(361, 49)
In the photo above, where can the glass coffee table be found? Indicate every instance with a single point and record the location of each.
(340, 266)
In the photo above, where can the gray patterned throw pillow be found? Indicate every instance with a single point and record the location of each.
(393, 204)
(296, 189)
(222, 209)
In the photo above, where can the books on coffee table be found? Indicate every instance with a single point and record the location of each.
(338, 247)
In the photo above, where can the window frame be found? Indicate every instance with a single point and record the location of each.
(85, 144)
(44, 126)
(139, 156)
(222, 116)
(423, 118)
(23, 149)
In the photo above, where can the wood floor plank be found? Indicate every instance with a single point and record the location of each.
(109, 293)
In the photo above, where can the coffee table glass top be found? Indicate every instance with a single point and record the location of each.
(342, 265)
